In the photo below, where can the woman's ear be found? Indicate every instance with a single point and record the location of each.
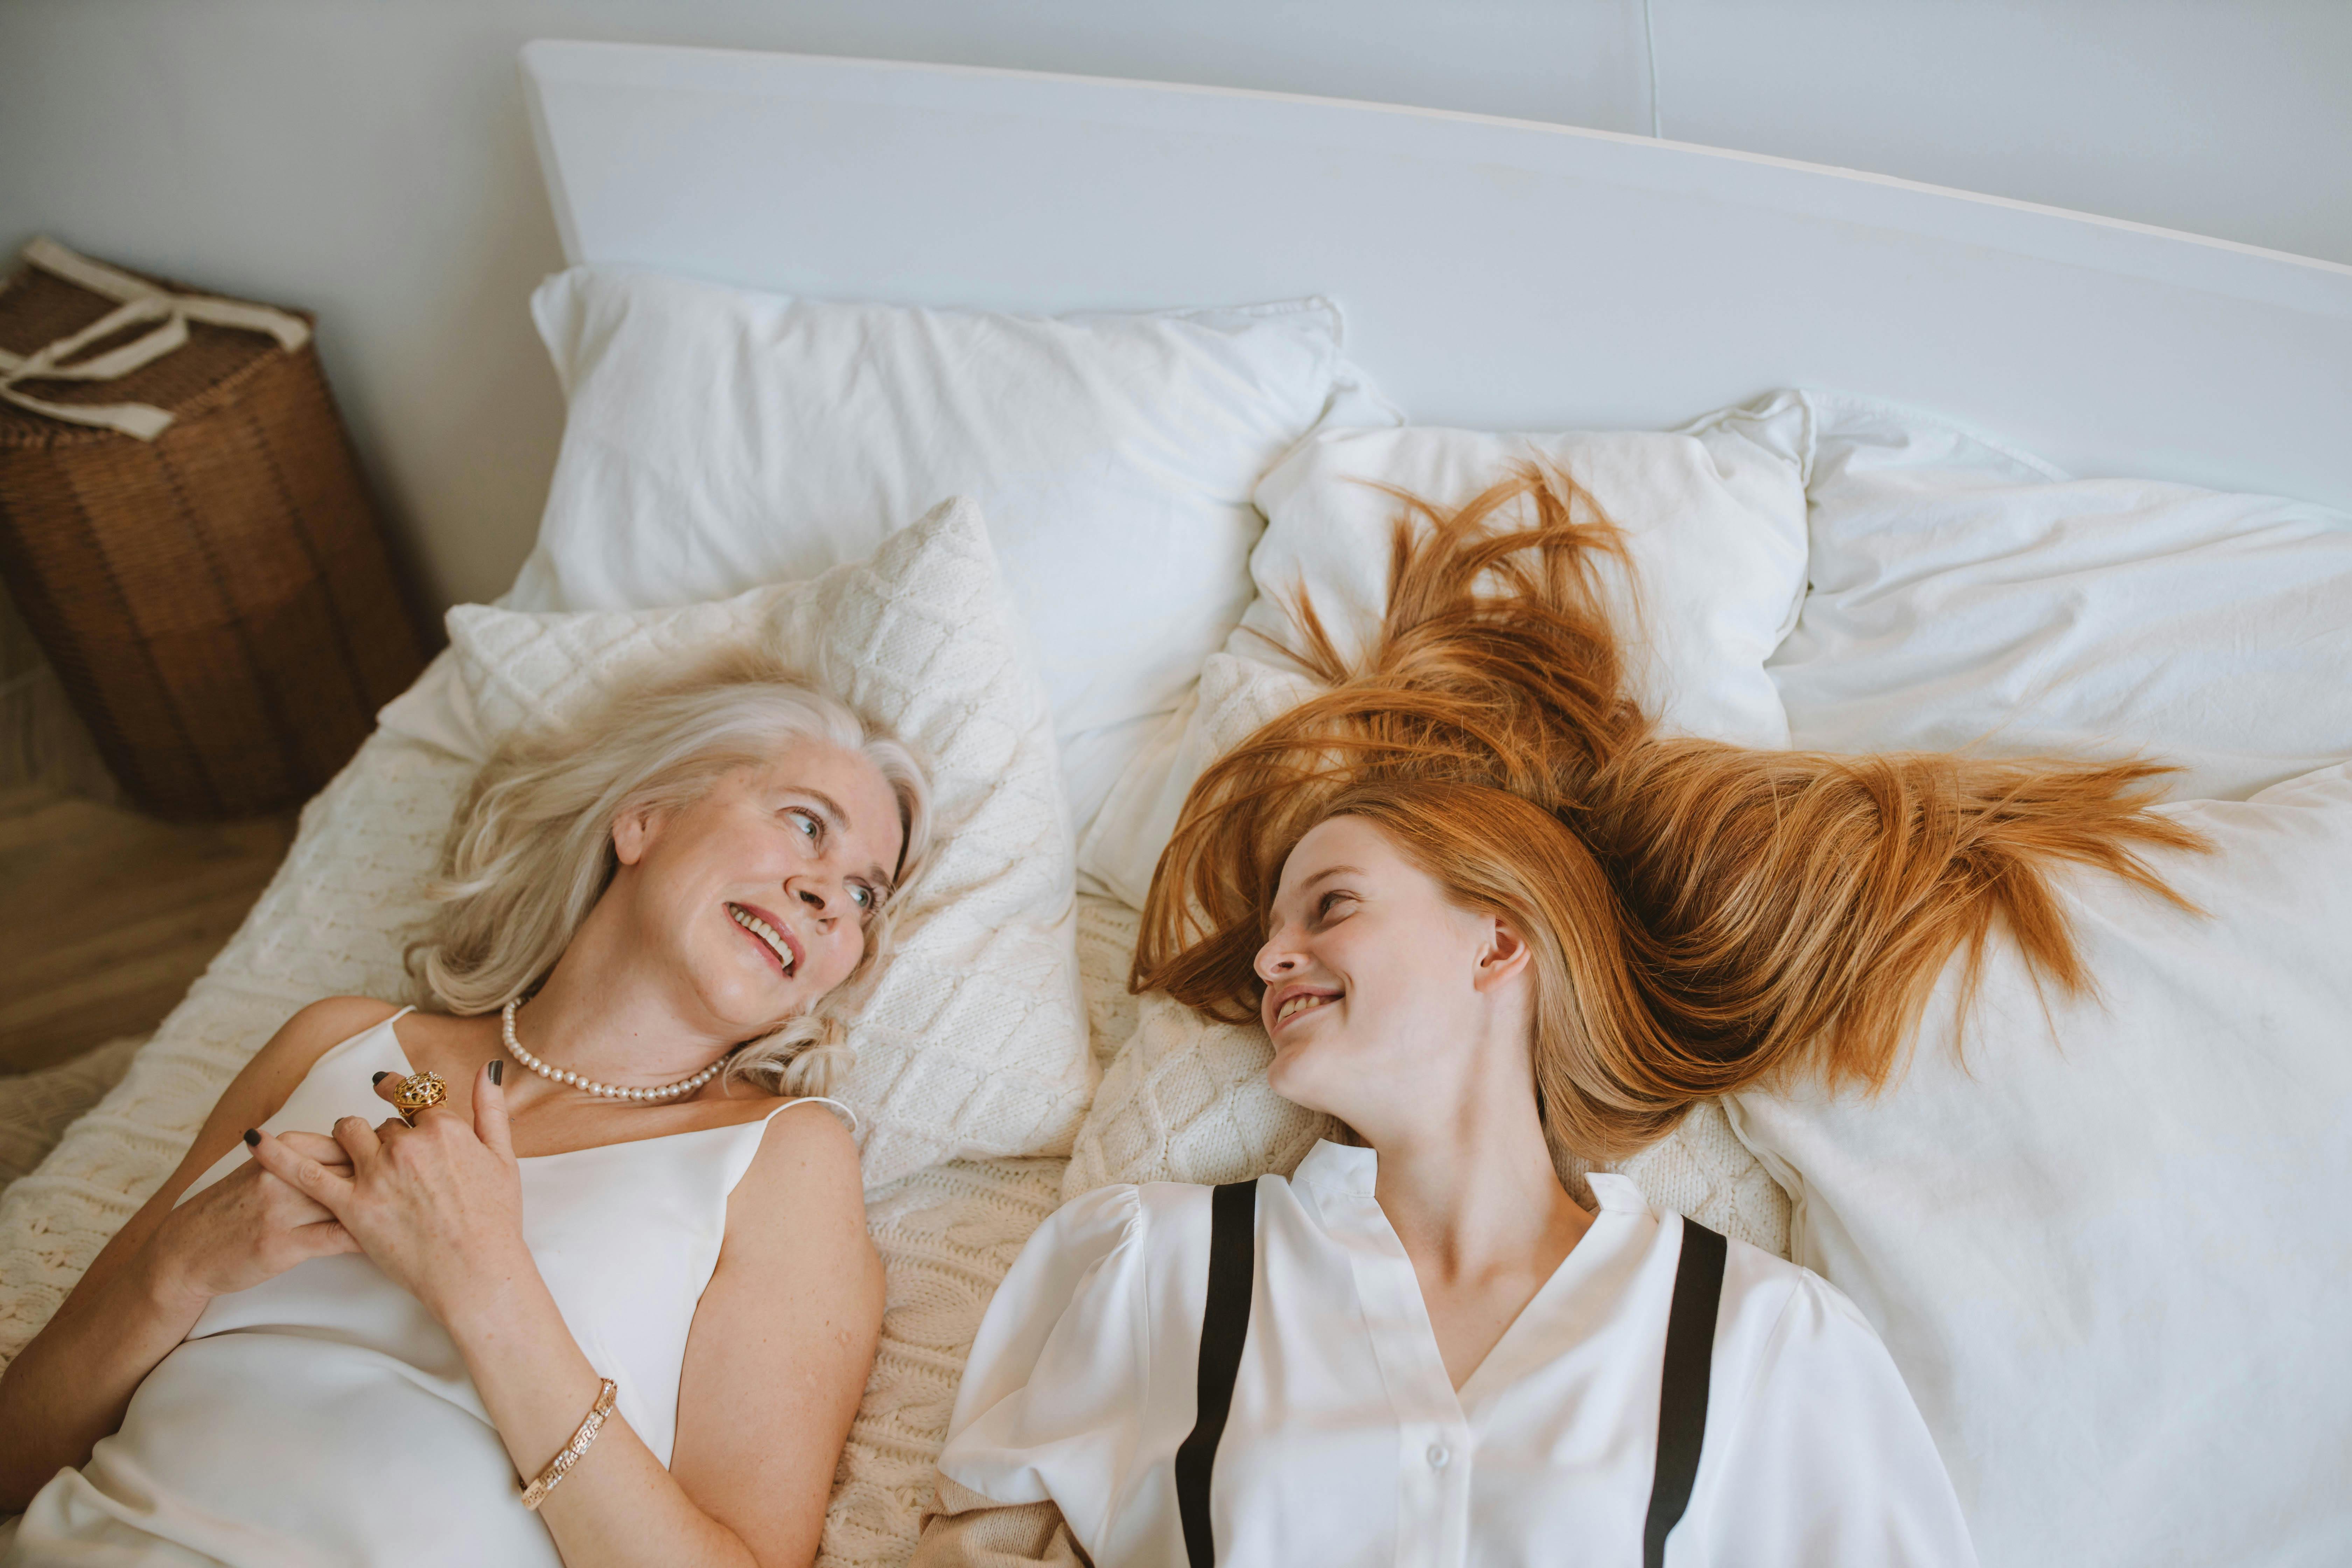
(633, 831)
(1504, 955)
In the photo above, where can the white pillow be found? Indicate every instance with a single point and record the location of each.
(973, 1043)
(718, 440)
(1966, 595)
(1715, 519)
(2109, 1246)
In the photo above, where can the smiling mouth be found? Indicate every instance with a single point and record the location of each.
(1301, 1003)
(765, 933)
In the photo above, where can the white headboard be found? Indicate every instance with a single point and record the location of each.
(1496, 273)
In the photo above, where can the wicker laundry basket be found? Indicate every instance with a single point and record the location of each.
(184, 531)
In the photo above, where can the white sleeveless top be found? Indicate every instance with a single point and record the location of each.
(324, 1417)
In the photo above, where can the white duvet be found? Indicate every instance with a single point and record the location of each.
(2106, 1241)
(2105, 1238)
(1966, 595)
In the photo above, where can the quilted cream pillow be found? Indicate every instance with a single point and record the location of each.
(973, 1043)
(1186, 1099)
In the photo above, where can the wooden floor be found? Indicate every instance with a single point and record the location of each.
(106, 916)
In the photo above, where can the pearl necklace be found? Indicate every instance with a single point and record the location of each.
(606, 1091)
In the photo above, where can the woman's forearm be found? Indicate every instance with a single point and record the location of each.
(618, 1506)
(148, 1284)
(71, 1385)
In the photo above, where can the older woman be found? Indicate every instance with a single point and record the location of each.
(602, 1293)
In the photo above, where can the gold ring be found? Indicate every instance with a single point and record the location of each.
(418, 1091)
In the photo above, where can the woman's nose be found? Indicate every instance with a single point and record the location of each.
(1275, 959)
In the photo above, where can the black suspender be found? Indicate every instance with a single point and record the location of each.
(1224, 1329)
(1681, 1384)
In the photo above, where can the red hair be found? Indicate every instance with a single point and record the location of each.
(1712, 914)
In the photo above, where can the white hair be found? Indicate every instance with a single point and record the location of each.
(531, 850)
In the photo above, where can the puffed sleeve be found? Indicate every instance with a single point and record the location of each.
(1059, 1375)
(1827, 1463)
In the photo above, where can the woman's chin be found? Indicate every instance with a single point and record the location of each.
(1291, 1079)
(747, 1011)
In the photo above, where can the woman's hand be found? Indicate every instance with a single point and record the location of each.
(438, 1206)
(249, 1226)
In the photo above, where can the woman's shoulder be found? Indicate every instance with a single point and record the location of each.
(287, 1057)
(1109, 1216)
(1751, 1271)
(1088, 1242)
(1107, 1243)
(1139, 1213)
(454, 1045)
(797, 1200)
(329, 1022)
(806, 1150)
(1767, 1302)
(1773, 1310)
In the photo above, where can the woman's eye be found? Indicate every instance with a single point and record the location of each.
(863, 897)
(1330, 901)
(809, 826)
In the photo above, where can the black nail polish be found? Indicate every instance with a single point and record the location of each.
(380, 1078)
(499, 1072)
(252, 1139)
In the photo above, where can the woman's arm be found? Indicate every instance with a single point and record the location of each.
(783, 1343)
(146, 1287)
(1826, 1462)
(776, 1361)
(1056, 1394)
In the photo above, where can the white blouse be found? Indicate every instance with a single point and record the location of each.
(1347, 1442)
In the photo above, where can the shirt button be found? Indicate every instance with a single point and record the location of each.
(1439, 1456)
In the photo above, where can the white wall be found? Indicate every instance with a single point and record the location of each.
(370, 158)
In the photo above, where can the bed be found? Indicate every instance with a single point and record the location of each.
(1495, 275)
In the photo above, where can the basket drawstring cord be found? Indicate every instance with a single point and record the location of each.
(142, 301)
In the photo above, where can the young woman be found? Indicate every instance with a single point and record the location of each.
(619, 1259)
(1498, 930)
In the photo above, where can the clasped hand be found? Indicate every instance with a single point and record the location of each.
(438, 1206)
(250, 1226)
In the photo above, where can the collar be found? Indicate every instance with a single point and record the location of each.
(1615, 1194)
(1341, 1168)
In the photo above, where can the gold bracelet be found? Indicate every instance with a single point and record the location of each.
(569, 1456)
